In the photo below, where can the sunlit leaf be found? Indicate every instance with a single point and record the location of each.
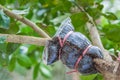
(49, 30)
(98, 1)
(26, 31)
(12, 63)
(59, 19)
(99, 77)
(95, 13)
(79, 19)
(85, 3)
(88, 77)
(36, 71)
(110, 16)
(44, 70)
(112, 32)
(24, 60)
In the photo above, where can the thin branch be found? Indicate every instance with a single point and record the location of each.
(25, 39)
(25, 21)
(95, 37)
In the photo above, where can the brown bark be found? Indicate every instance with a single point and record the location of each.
(25, 39)
(109, 69)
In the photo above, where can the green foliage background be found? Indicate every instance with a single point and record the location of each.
(48, 14)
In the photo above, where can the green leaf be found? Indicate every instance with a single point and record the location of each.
(3, 47)
(3, 59)
(62, 5)
(36, 71)
(11, 47)
(112, 32)
(98, 1)
(99, 77)
(45, 71)
(59, 19)
(26, 30)
(13, 28)
(12, 63)
(79, 19)
(88, 77)
(110, 16)
(108, 44)
(49, 30)
(3, 39)
(85, 3)
(2, 2)
(4, 20)
(95, 13)
(24, 60)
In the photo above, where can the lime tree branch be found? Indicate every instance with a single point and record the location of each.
(111, 68)
(25, 21)
(95, 37)
(108, 67)
(25, 39)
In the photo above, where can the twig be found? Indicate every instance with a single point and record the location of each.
(95, 37)
(25, 39)
(25, 21)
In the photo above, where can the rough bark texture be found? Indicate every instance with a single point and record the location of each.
(25, 39)
(110, 70)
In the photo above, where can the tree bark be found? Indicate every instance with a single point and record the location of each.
(109, 69)
(25, 39)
